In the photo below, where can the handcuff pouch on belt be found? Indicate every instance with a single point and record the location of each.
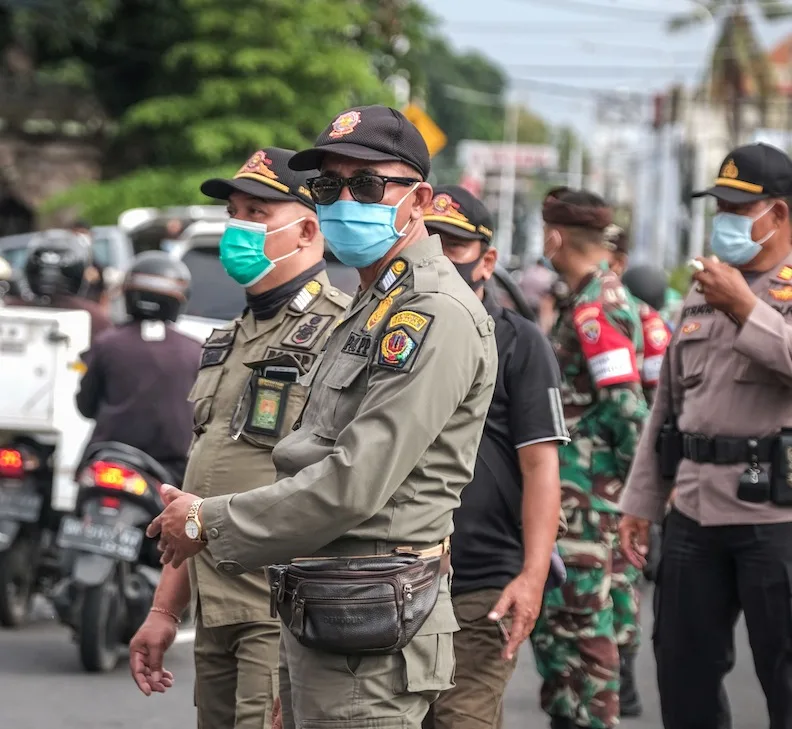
(356, 605)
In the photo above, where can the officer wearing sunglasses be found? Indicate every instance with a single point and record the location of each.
(390, 432)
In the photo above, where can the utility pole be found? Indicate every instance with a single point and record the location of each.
(508, 183)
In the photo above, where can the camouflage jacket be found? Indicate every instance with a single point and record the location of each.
(599, 344)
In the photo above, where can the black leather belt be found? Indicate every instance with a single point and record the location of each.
(723, 451)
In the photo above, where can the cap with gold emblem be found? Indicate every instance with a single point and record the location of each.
(750, 173)
(457, 212)
(266, 175)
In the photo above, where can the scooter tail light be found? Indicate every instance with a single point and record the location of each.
(12, 464)
(108, 475)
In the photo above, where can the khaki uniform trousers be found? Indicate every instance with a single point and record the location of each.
(476, 702)
(236, 674)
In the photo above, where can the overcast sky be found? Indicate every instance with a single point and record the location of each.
(556, 51)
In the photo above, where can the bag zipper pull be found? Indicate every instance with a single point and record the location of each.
(408, 601)
(298, 615)
(274, 595)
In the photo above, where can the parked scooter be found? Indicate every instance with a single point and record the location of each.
(29, 563)
(115, 568)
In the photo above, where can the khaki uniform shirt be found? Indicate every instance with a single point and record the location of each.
(390, 433)
(725, 380)
(228, 457)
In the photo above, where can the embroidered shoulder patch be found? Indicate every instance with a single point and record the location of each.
(785, 274)
(396, 271)
(220, 338)
(412, 319)
(782, 294)
(382, 308)
(308, 329)
(403, 338)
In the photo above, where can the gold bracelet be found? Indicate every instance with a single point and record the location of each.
(165, 611)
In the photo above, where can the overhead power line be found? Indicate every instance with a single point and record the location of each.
(601, 9)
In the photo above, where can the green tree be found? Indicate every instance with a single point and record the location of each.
(739, 67)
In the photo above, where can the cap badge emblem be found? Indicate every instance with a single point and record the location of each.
(444, 204)
(258, 164)
(345, 124)
(730, 170)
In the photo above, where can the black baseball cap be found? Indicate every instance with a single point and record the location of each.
(373, 133)
(266, 175)
(456, 211)
(750, 173)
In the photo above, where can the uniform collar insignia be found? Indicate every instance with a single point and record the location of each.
(394, 273)
(305, 296)
(784, 274)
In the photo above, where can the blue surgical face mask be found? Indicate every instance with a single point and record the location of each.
(242, 251)
(547, 261)
(360, 234)
(731, 238)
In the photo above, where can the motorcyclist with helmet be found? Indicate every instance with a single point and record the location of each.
(138, 375)
(55, 272)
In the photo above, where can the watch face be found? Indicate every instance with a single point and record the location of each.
(192, 530)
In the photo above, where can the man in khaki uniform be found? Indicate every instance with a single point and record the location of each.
(389, 435)
(243, 407)
(726, 382)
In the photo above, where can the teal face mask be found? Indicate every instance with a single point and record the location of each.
(242, 251)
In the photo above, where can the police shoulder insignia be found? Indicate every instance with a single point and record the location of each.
(305, 333)
(395, 272)
(305, 296)
(782, 294)
(412, 319)
(785, 274)
(382, 308)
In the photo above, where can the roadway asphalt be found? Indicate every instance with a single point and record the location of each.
(42, 686)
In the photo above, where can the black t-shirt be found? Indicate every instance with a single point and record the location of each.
(487, 548)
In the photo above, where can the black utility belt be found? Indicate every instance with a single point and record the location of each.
(358, 605)
(758, 484)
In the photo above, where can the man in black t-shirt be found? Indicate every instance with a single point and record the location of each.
(506, 526)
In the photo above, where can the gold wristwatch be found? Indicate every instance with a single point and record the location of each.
(192, 526)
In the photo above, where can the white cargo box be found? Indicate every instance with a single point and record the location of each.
(40, 371)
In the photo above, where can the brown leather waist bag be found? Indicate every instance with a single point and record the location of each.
(357, 605)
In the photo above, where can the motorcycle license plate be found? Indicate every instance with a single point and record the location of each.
(13, 338)
(17, 504)
(109, 540)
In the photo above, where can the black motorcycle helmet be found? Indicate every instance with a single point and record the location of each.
(156, 286)
(57, 263)
(647, 283)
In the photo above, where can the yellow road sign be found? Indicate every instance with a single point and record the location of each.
(434, 137)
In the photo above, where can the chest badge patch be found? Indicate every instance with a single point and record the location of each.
(382, 308)
(693, 326)
(396, 348)
(395, 272)
(782, 294)
(411, 319)
(785, 274)
(307, 330)
(357, 344)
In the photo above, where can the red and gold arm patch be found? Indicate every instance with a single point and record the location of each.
(610, 353)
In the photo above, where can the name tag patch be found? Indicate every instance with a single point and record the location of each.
(612, 365)
(357, 344)
(651, 369)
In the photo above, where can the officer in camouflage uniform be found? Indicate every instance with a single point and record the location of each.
(598, 341)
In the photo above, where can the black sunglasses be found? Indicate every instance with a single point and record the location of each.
(365, 188)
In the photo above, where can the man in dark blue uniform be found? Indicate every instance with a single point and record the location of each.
(507, 524)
